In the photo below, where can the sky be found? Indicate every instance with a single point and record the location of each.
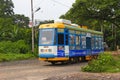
(50, 9)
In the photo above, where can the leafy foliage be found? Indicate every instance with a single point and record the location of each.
(10, 24)
(14, 47)
(46, 21)
(13, 57)
(6, 8)
(107, 10)
(105, 63)
(98, 15)
(5, 28)
(15, 36)
(21, 20)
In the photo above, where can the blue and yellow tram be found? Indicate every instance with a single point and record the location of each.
(62, 41)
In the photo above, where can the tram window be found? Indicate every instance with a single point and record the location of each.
(72, 47)
(77, 42)
(83, 42)
(96, 43)
(92, 42)
(55, 39)
(72, 31)
(60, 30)
(60, 39)
(72, 40)
(46, 39)
(102, 43)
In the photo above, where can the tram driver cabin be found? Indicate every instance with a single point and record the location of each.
(63, 41)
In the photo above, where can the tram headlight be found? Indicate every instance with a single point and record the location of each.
(42, 50)
(45, 50)
(50, 50)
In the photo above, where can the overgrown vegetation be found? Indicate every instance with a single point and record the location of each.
(13, 57)
(101, 15)
(105, 62)
(15, 35)
(14, 47)
(19, 50)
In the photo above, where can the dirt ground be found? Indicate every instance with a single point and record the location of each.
(39, 70)
(89, 76)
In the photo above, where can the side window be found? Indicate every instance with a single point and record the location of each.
(72, 41)
(60, 39)
(96, 42)
(100, 43)
(92, 42)
(77, 42)
(83, 42)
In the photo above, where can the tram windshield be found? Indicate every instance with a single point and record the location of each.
(46, 36)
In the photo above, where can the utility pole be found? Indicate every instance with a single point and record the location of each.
(115, 39)
(32, 16)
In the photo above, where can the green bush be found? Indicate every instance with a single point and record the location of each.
(12, 57)
(7, 47)
(22, 46)
(14, 47)
(105, 63)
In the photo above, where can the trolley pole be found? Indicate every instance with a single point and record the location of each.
(32, 16)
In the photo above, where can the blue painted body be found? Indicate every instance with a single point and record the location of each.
(47, 55)
(88, 50)
(72, 53)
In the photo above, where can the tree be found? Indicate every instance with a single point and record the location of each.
(105, 10)
(21, 20)
(9, 22)
(6, 8)
(6, 26)
(97, 13)
(13, 26)
(6, 23)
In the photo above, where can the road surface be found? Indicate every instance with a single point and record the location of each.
(35, 70)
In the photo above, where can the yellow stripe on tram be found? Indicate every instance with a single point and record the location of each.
(54, 59)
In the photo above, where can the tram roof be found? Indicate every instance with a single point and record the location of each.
(71, 27)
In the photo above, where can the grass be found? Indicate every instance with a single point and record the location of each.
(105, 62)
(13, 57)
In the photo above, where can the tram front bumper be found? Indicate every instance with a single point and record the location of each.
(46, 55)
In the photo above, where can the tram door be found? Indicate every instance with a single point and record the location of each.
(63, 48)
(66, 45)
(88, 43)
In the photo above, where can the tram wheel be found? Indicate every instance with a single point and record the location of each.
(83, 58)
(71, 60)
(64, 62)
(53, 63)
(74, 60)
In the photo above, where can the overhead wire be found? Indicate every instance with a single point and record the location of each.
(52, 1)
(36, 5)
(60, 3)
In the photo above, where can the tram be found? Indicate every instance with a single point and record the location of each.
(63, 41)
